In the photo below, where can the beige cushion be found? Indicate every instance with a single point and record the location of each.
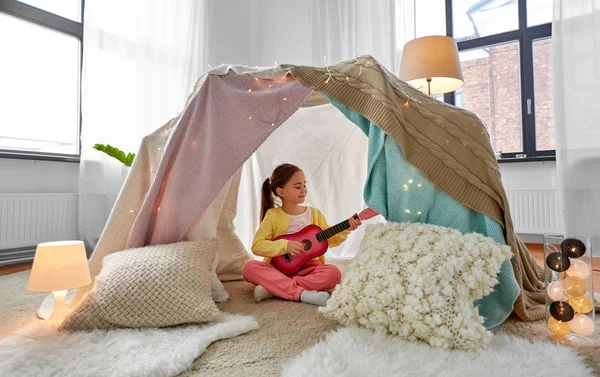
(419, 281)
(152, 286)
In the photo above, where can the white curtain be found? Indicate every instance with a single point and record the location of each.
(142, 58)
(576, 72)
(140, 61)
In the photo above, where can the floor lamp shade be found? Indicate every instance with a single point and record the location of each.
(59, 266)
(431, 64)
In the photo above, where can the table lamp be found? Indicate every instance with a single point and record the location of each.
(431, 65)
(57, 267)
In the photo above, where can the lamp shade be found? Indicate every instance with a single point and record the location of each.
(434, 58)
(58, 266)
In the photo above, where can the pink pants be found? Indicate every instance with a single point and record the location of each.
(314, 276)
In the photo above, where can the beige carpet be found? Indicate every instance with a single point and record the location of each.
(286, 328)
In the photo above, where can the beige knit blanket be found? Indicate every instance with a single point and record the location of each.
(449, 145)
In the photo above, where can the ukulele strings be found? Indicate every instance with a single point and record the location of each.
(330, 232)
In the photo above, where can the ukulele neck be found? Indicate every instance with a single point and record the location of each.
(332, 231)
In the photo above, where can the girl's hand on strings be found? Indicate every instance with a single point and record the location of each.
(295, 248)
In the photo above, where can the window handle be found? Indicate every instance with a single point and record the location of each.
(528, 106)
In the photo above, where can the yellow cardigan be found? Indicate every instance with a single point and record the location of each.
(276, 223)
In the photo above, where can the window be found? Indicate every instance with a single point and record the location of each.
(40, 74)
(504, 48)
(492, 90)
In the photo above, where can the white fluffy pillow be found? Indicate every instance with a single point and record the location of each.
(152, 286)
(420, 281)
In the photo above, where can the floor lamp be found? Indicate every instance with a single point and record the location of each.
(431, 64)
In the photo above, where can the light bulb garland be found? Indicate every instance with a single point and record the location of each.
(257, 81)
(570, 300)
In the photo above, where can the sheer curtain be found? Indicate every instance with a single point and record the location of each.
(576, 72)
(142, 59)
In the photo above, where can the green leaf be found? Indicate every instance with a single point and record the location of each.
(127, 160)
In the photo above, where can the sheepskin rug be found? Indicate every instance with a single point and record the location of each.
(41, 350)
(359, 352)
(419, 281)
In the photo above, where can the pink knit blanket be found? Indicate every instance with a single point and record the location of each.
(229, 118)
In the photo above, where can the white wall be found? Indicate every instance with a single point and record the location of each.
(529, 175)
(32, 176)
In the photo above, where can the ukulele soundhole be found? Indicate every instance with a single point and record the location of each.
(307, 244)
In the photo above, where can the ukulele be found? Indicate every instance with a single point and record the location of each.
(315, 243)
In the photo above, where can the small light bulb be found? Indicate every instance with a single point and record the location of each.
(327, 81)
(131, 211)
(158, 209)
(347, 78)
(406, 104)
(405, 187)
(284, 98)
(272, 124)
(270, 86)
(419, 213)
(407, 210)
(410, 181)
(578, 269)
(582, 325)
(250, 118)
(555, 291)
(159, 148)
(249, 90)
(419, 185)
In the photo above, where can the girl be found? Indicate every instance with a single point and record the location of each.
(311, 283)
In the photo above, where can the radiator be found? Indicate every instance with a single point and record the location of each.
(28, 219)
(535, 211)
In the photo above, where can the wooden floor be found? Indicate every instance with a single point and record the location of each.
(11, 269)
(537, 250)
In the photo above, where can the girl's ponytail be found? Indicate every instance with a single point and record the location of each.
(266, 202)
(281, 175)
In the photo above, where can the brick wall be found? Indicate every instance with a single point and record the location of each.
(544, 114)
(493, 91)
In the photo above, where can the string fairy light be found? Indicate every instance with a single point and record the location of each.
(328, 71)
(360, 65)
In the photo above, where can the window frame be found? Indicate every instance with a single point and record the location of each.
(525, 36)
(45, 19)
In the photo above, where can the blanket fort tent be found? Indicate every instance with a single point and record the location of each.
(233, 110)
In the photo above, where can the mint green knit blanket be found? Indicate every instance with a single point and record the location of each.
(401, 193)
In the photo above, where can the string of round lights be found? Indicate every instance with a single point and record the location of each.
(571, 307)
